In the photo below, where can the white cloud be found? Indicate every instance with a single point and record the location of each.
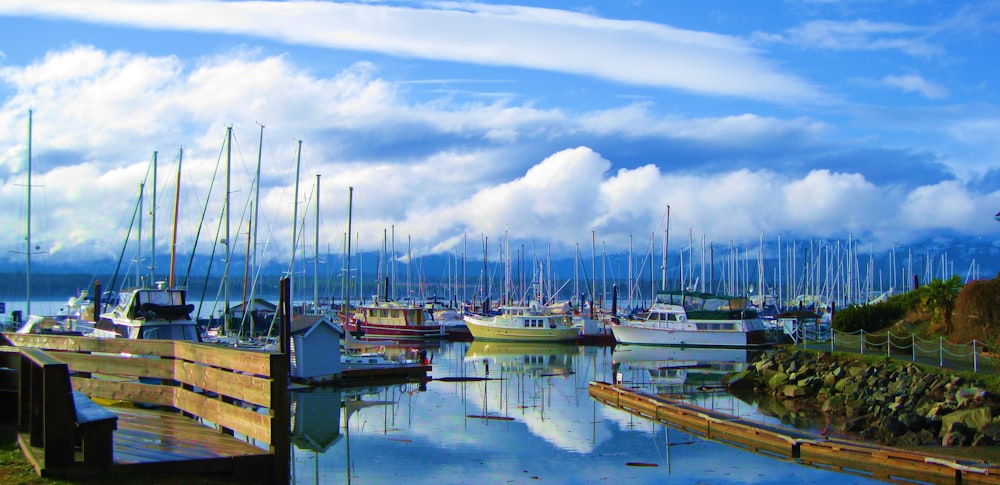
(949, 204)
(858, 35)
(633, 52)
(93, 144)
(917, 84)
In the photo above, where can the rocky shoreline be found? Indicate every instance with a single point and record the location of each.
(892, 402)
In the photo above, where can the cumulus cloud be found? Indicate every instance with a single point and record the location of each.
(434, 170)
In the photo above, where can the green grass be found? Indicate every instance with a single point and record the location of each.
(14, 467)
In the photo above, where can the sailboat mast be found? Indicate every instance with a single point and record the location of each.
(316, 249)
(256, 204)
(152, 230)
(138, 236)
(295, 226)
(177, 198)
(28, 229)
(666, 247)
(229, 245)
(350, 200)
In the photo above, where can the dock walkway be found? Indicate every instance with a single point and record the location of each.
(868, 460)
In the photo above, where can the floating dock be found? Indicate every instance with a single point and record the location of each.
(862, 459)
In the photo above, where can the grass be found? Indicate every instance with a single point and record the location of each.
(14, 467)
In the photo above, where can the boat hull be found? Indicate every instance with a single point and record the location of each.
(483, 330)
(635, 335)
(397, 331)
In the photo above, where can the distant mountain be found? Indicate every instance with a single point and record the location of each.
(437, 274)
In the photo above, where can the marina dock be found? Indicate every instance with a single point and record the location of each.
(184, 408)
(862, 459)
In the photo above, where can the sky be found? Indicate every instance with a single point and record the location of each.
(435, 124)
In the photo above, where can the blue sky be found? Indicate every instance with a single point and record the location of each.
(798, 118)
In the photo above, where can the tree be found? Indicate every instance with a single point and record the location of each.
(938, 297)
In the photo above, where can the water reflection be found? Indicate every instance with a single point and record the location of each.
(517, 413)
(677, 370)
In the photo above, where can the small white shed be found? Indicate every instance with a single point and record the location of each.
(315, 347)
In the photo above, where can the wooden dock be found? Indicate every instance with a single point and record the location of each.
(199, 410)
(868, 460)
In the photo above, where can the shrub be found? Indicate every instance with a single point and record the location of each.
(976, 314)
(870, 318)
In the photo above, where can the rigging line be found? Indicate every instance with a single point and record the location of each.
(204, 210)
(302, 227)
(208, 271)
(114, 278)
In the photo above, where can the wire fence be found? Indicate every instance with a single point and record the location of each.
(972, 356)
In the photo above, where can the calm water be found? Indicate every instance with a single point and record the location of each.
(534, 422)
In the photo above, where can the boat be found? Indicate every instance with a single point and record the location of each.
(691, 319)
(150, 313)
(450, 318)
(392, 319)
(526, 323)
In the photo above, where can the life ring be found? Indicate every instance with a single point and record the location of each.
(381, 349)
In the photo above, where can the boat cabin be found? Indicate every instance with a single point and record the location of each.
(150, 313)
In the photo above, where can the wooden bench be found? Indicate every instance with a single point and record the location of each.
(95, 428)
(54, 420)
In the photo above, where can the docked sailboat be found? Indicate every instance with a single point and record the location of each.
(680, 318)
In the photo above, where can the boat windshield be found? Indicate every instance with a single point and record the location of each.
(161, 297)
(169, 332)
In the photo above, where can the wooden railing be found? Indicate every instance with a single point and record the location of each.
(244, 393)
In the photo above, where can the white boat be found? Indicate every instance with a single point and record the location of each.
(685, 319)
(527, 323)
(150, 313)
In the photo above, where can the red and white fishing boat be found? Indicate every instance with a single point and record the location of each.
(393, 319)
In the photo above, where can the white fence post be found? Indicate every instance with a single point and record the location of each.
(941, 351)
(862, 341)
(888, 344)
(975, 357)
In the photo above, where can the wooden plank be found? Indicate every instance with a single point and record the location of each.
(119, 365)
(241, 420)
(157, 443)
(57, 416)
(280, 432)
(248, 361)
(132, 391)
(162, 348)
(244, 387)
